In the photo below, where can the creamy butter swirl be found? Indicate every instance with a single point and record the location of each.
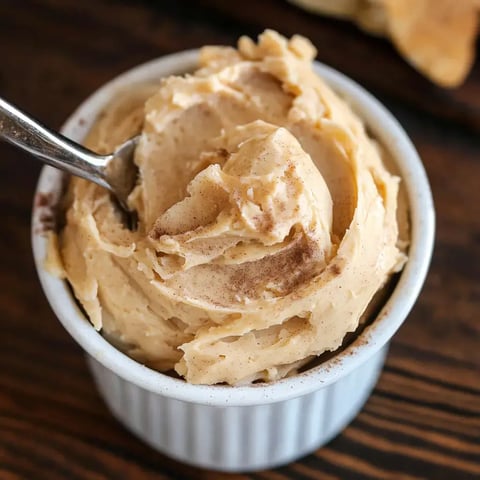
(267, 219)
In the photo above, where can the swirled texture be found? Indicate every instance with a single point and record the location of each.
(267, 220)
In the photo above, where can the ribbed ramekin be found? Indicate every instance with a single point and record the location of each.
(259, 426)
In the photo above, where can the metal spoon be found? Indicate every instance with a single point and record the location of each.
(116, 172)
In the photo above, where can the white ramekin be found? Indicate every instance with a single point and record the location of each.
(252, 427)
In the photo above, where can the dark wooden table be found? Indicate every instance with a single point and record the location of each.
(423, 420)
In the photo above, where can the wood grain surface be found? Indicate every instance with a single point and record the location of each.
(423, 419)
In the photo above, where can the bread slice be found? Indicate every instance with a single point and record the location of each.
(437, 37)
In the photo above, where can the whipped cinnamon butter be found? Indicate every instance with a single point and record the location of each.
(267, 219)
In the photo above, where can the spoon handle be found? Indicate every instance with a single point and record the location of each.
(56, 150)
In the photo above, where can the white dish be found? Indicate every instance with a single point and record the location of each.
(264, 425)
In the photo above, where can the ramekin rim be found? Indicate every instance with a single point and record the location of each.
(392, 315)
